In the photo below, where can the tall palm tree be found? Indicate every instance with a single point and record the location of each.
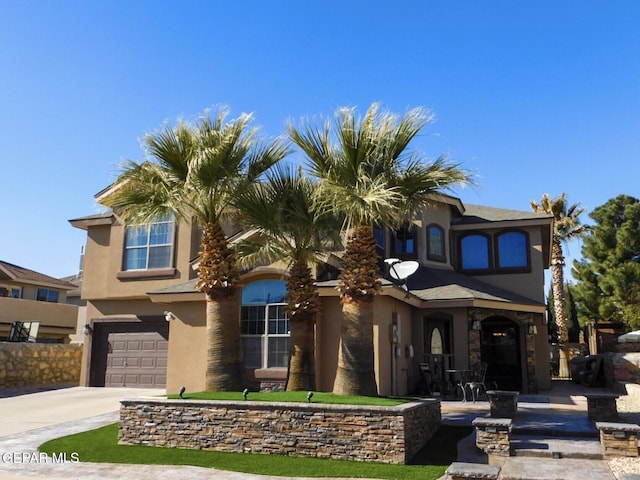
(566, 227)
(367, 173)
(291, 229)
(195, 172)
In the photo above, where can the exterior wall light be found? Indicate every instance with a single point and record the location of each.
(309, 396)
(168, 316)
(532, 329)
(475, 325)
(87, 330)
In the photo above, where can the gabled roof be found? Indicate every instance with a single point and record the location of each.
(482, 214)
(9, 271)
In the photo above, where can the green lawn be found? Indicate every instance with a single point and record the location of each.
(101, 445)
(318, 397)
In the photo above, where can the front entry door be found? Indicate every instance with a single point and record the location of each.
(500, 349)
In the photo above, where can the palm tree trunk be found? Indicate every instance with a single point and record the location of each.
(559, 302)
(302, 365)
(225, 364)
(358, 286)
(355, 373)
(218, 276)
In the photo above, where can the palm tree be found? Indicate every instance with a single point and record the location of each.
(368, 175)
(291, 229)
(195, 172)
(566, 227)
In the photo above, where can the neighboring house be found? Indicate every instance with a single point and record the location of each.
(477, 296)
(29, 296)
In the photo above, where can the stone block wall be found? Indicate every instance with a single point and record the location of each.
(345, 432)
(39, 364)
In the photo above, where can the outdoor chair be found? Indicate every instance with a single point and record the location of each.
(476, 383)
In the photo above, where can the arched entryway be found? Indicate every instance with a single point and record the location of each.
(500, 349)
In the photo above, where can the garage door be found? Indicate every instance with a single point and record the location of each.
(129, 354)
(137, 359)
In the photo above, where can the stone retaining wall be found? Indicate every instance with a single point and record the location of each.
(345, 432)
(39, 364)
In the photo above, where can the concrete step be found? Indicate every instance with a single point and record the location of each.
(556, 447)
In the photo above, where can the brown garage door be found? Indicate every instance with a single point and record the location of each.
(136, 360)
(130, 354)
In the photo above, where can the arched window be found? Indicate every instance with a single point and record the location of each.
(435, 244)
(513, 250)
(264, 325)
(475, 252)
(436, 342)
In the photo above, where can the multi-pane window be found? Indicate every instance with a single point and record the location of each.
(475, 252)
(47, 295)
(507, 250)
(150, 245)
(512, 250)
(265, 325)
(435, 243)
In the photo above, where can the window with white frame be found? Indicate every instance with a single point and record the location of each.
(149, 246)
(265, 325)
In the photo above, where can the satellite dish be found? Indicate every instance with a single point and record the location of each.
(402, 270)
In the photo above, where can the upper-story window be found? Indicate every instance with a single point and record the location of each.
(475, 252)
(264, 325)
(435, 244)
(512, 250)
(405, 241)
(509, 250)
(149, 245)
(7, 291)
(47, 295)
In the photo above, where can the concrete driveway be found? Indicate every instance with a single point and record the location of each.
(21, 413)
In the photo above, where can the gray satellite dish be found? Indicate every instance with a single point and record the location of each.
(400, 271)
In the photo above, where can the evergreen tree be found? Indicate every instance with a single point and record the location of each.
(608, 287)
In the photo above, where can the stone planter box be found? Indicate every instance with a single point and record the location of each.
(345, 432)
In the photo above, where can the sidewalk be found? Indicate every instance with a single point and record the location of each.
(29, 420)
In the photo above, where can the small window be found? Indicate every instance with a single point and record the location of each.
(436, 342)
(435, 244)
(475, 252)
(47, 295)
(405, 241)
(149, 246)
(512, 250)
(6, 291)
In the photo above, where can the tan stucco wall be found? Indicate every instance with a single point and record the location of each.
(187, 348)
(531, 284)
(103, 262)
(57, 320)
(543, 370)
(327, 339)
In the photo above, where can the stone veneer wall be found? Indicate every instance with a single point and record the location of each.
(39, 364)
(346, 432)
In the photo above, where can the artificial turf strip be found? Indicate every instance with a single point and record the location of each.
(101, 445)
(299, 397)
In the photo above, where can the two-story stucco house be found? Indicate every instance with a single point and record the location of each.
(478, 295)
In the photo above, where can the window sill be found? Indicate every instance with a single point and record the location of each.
(146, 274)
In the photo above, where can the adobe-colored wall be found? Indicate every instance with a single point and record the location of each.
(39, 364)
(187, 356)
(57, 320)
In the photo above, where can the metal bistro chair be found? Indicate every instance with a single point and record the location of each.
(476, 383)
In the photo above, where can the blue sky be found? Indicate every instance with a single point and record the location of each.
(531, 96)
